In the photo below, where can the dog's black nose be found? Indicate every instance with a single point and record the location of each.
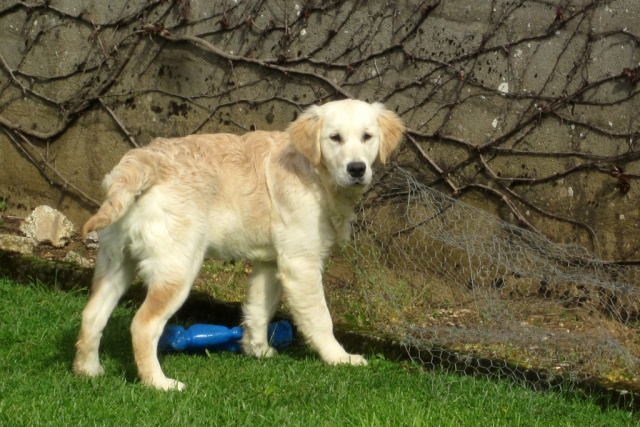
(356, 169)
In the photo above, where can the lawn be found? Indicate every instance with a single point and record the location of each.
(38, 330)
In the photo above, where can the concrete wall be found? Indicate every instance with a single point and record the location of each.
(522, 108)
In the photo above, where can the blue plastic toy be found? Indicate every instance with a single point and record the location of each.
(199, 338)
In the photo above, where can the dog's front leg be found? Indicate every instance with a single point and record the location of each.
(301, 279)
(263, 298)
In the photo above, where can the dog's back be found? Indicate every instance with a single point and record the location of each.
(226, 167)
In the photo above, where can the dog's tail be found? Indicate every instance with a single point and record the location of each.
(136, 172)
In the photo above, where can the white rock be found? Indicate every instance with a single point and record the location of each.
(47, 225)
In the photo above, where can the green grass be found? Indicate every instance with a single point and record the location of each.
(38, 328)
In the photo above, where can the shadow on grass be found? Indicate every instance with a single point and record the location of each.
(116, 352)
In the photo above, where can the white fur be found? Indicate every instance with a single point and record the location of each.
(278, 199)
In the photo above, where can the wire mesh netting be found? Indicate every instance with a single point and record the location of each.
(452, 281)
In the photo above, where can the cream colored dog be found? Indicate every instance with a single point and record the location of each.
(279, 199)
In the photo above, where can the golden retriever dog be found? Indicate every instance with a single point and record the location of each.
(278, 199)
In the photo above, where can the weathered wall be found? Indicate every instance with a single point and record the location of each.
(529, 109)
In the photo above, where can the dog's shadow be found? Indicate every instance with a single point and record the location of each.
(116, 351)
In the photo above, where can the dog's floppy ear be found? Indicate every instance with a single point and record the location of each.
(391, 131)
(304, 134)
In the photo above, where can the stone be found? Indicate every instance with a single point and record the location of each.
(19, 244)
(47, 225)
(76, 258)
(91, 241)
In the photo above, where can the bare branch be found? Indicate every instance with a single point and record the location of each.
(119, 123)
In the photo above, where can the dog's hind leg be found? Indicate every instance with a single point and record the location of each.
(113, 276)
(169, 282)
(263, 297)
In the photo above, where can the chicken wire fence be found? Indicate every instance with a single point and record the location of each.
(462, 287)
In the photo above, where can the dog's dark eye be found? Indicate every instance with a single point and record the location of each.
(367, 136)
(336, 137)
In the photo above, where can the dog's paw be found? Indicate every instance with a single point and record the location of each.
(349, 359)
(87, 369)
(165, 384)
(258, 350)
(175, 386)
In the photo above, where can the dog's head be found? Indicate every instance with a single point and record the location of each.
(347, 137)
